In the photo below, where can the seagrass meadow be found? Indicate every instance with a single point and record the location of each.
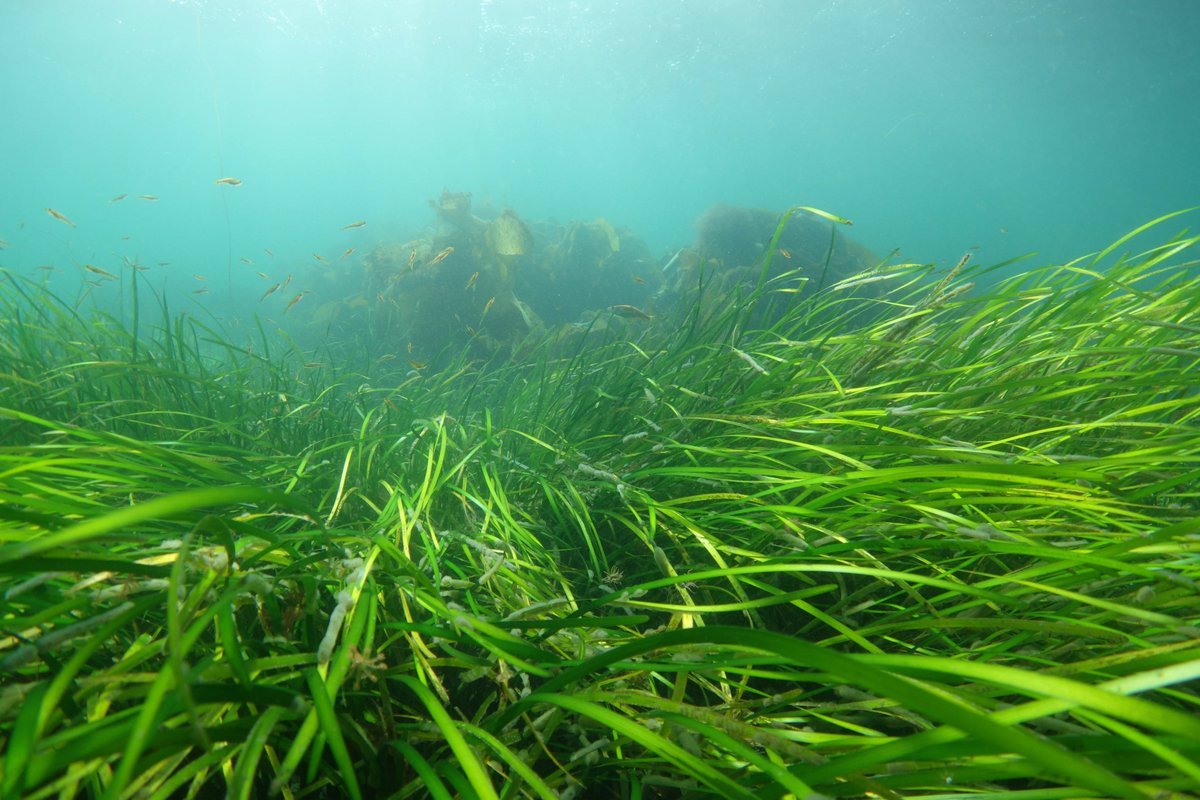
(900, 537)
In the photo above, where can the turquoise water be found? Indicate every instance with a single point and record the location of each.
(936, 126)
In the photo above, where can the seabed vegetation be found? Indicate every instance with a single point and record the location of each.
(893, 538)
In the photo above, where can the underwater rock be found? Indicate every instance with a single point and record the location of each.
(726, 261)
(383, 265)
(509, 319)
(590, 266)
(734, 236)
(488, 283)
(739, 237)
(431, 298)
(454, 210)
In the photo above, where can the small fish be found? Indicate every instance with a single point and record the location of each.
(471, 280)
(164, 263)
(262, 275)
(345, 253)
(118, 198)
(749, 359)
(102, 273)
(387, 357)
(785, 253)
(412, 257)
(247, 262)
(637, 279)
(695, 395)
(353, 225)
(267, 250)
(320, 258)
(470, 330)
(417, 364)
(274, 288)
(410, 348)
(200, 277)
(49, 268)
(286, 282)
(632, 312)
(227, 182)
(125, 238)
(153, 198)
(313, 365)
(488, 306)
(199, 291)
(3, 244)
(59, 217)
(442, 256)
(294, 300)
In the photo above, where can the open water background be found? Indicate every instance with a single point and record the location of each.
(936, 125)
